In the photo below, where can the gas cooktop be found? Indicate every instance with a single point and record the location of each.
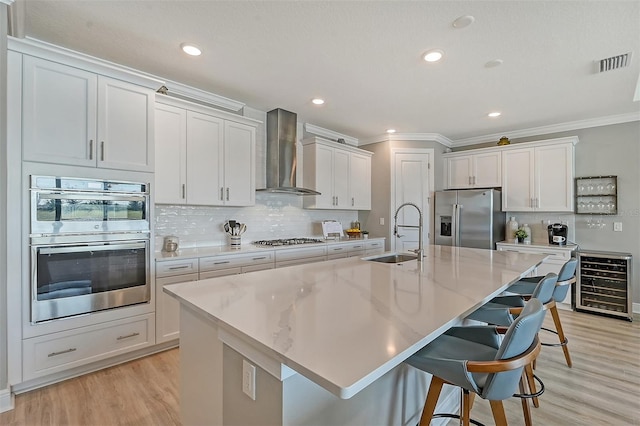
(287, 242)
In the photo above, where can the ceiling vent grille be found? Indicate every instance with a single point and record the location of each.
(614, 62)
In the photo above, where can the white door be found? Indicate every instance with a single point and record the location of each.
(412, 181)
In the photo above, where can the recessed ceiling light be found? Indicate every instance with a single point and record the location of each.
(494, 114)
(317, 101)
(191, 49)
(493, 63)
(433, 55)
(463, 21)
(391, 130)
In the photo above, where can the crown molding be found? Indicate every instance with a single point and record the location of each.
(7, 2)
(180, 90)
(329, 134)
(433, 137)
(554, 128)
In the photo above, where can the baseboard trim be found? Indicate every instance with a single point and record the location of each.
(7, 400)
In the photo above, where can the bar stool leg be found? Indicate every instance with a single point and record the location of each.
(525, 404)
(532, 383)
(498, 413)
(561, 336)
(432, 399)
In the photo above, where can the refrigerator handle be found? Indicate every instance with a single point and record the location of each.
(458, 208)
(454, 225)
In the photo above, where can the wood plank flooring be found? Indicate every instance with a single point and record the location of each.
(602, 388)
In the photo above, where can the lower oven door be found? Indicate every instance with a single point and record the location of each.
(73, 279)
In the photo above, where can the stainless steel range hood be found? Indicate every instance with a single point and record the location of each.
(281, 154)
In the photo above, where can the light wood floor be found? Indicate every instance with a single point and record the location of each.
(602, 388)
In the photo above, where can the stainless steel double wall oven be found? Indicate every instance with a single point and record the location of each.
(90, 242)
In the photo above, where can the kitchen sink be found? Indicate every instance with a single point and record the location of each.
(393, 258)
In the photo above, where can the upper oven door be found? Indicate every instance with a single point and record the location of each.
(70, 212)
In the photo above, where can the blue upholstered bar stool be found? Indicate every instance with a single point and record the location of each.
(503, 310)
(566, 277)
(477, 360)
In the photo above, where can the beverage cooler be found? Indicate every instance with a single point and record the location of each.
(604, 283)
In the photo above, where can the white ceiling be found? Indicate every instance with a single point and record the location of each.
(364, 57)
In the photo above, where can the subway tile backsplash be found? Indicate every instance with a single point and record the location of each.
(273, 216)
(538, 224)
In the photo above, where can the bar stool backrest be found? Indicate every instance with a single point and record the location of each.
(545, 289)
(565, 276)
(518, 338)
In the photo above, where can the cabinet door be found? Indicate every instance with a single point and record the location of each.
(324, 177)
(168, 308)
(341, 179)
(170, 151)
(205, 175)
(554, 178)
(59, 113)
(459, 172)
(360, 182)
(239, 164)
(125, 126)
(517, 180)
(487, 170)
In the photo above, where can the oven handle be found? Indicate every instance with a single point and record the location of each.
(76, 248)
(81, 196)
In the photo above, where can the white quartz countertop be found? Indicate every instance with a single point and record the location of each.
(193, 252)
(345, 323)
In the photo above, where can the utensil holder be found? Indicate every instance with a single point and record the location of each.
(235, 241)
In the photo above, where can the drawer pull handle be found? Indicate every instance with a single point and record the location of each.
(220, 263)
(338, 248)
(61, 352)
(134, 334)
(173, 268)
(259, 258)
(357, 247)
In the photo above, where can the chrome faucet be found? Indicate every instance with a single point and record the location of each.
(420, 250)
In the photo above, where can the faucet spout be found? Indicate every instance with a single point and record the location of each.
(420, 250)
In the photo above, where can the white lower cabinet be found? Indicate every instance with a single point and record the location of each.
(220, 266)
(300, 256)
(373, 247)
(57, 352)
(168, 308)
(557, 256)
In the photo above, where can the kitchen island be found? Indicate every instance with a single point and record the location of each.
(327, 340)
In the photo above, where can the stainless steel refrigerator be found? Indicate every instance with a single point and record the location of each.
(469, 218)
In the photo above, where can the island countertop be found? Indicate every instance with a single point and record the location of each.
(344, 323)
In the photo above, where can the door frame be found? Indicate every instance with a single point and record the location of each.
(428, 224)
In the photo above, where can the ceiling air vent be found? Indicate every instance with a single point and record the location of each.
(614, 62)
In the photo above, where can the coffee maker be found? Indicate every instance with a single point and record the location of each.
(558, 234)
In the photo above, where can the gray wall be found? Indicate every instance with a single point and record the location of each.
(608, 150)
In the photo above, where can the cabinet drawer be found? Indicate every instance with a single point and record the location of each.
(220, 273)
(257, 267)
(214, 263)
(301, 253)
(176, 267)
(57, 352)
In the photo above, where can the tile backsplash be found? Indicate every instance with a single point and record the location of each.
(273, 216)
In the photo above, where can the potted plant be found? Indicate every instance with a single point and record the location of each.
(365, 234)
(521, 234)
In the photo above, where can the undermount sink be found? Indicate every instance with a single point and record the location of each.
(393, 258)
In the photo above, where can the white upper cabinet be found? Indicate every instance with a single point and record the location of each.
(539, 178)
(203, 157)
(342, 174)
(473, 170)
(75, 117)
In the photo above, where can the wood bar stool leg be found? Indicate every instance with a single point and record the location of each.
(432, 399)
(498, 413)
(532, 383)
(526, 410)
(465, 410)
(561, 336)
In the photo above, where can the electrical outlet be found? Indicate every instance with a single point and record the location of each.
(249, 379)
(617, 226)
(382, 221)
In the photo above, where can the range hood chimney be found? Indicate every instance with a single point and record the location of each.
(281, 154)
